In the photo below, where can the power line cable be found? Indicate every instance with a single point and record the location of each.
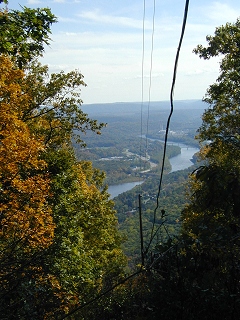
(168, 123)
(142, 78)
(160, 182)
(150, 76)
(149, 99)
(102, 294)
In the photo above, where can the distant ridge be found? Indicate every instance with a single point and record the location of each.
(135, 107)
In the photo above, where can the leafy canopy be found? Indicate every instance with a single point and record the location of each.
(24, 33)
(25, 215)
(221, 120)
(58, 233)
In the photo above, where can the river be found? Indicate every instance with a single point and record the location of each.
(180, 162)
(117, 189)
(183, 160)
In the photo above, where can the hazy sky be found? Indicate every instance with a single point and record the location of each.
(104, 39)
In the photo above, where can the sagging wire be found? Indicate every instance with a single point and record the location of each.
(101, 294)
(153, 234)
(142, 77)
(149, 100)
(141, 230)
(150, 76)
(141, 124)
(142, 268)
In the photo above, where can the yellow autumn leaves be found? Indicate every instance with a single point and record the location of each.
(25, 216)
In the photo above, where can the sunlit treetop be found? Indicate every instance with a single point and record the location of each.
(23, 34)
(25, 215)
(221, 121)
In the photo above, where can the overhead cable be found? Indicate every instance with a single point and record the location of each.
(160, 182)
(150, 76)
(168, 123)
(142, 77)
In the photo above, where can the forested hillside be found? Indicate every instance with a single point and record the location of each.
(69, 252)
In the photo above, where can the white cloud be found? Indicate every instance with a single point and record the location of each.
(81, 40)
(221, 13)
(32, 2)
(107, 49)
(67, 19)
(98, 17)
(153, 75)
(199, 71)
(217, 13)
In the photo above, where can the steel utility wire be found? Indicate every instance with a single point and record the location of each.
(168, 123)
(150, 75)
(160, 182)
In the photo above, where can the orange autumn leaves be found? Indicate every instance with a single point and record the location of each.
(24, 186)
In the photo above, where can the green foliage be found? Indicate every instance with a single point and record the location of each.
(81, 254)
(56, 105)
(210, 231)
(24, 33)
(85, 253)
(172, 201)
(221, 120)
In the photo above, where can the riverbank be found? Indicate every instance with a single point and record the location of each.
(117, 189)
(180, 162)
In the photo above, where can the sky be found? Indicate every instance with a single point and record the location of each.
(103, 39)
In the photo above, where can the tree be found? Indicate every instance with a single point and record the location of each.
(24, 33)
(86, 252)
(211, 222)
(221, 120)
(54, 112)
(59, 240)
(26, 220)
(24, 183)
(218, 180)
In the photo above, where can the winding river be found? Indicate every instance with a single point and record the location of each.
(180, 162)
(183, 160)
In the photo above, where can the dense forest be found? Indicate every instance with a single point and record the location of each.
(69, 252)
